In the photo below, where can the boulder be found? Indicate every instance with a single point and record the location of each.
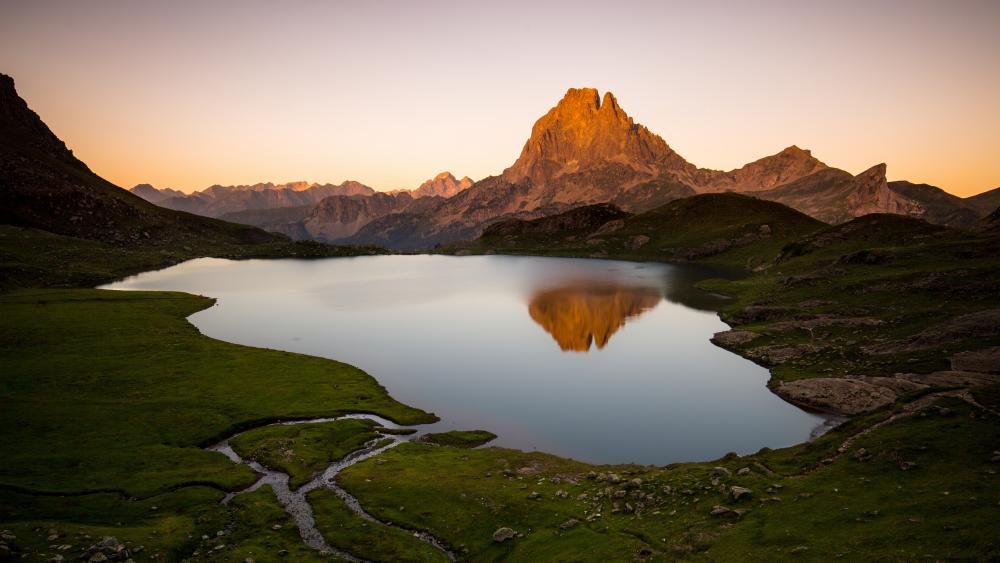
(739, 492)
(503, 534)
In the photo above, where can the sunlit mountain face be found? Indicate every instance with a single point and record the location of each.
(578, 316)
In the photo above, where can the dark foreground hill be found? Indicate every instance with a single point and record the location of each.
(723, 228)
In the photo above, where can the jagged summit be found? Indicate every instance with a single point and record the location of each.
(583, 131)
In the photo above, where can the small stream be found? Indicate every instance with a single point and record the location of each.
(295, 502)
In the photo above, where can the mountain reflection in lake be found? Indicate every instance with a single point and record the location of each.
(581, 314)
(451, 335)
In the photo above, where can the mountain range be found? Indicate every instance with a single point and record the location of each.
(587, 150)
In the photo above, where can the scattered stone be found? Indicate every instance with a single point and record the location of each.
(996, 457)
(276, 527)
(739, 492)
(534, 495)
(719, 510)
(503, 534)
(862, 455)
(282, 553)
(799, 549)
(907, 465)
(743, 471)
(721, 472)
(634, 483)
(562, 494)
(569, 524)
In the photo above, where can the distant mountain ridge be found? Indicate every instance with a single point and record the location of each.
(587, 150)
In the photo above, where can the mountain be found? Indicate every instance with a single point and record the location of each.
(587, 150)
(338, 217)
(941, 207)
(43, 186)
(990, 223)
(217, 201)
(442, 185)
(985, 202)
(341, 215)
(154, 195)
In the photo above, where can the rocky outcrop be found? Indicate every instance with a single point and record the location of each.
(840, 396)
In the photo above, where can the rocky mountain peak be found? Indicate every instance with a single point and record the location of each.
(583, 132)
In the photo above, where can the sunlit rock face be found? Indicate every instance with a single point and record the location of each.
(577, 317)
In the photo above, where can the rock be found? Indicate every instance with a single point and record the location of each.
(562, 494)
(843, 396)
(732, 338)
(739, 492)
(743, 471)
(721, 472)
(276, 527)
(503, 534)
(719, 510)
(862, 455)
(569, 524)
(97, 558)
(907, 465)
(534, 495)
(986, 360)
(764, 230)
(634, 483)
(282, 553)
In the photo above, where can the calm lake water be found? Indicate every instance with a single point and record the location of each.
(600, 361)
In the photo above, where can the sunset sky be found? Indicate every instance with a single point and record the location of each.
(189, 94)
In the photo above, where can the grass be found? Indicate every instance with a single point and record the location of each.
(35, 258)
(459, 438)
(81, 414)
(871, 510)
(369, 540)
(303, 450)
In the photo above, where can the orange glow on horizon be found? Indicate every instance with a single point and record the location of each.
(185, 95)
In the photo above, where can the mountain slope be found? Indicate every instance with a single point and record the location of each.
(985, 202)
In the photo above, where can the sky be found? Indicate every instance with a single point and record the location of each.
(189, 94)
